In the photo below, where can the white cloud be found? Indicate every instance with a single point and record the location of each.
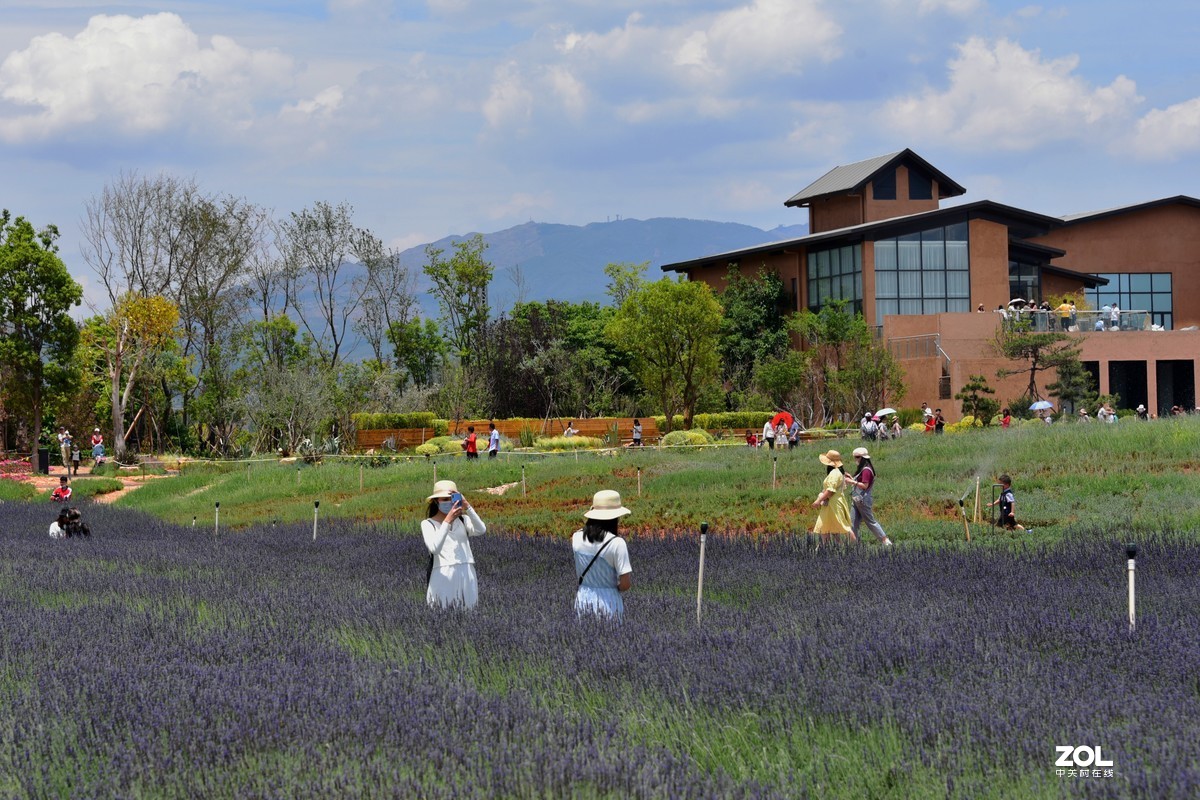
(959, 7)
(508, 101)
(1002, 96)
(521, 204)
(135, 76)
(323, 104)
(1169, 132)
(569, 90)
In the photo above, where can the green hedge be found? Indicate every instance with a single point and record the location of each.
(567, 443)
(685, 438)
(386, 422)
(720, 421)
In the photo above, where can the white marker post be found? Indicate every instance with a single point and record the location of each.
(774, 469)
(976, 499)
(435, 472)
(639, 470)
(217, 519)
(193, 520)
(297, 474)
(360, 477)
(316, 505)
(700, 578)
(1131, 553)
(522, 480)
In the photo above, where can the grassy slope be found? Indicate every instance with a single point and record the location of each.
(1135, 476)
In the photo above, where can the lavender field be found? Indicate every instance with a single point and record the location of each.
(158, 661)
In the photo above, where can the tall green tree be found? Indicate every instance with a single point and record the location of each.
(1035, 352)
(671, 329)
(847, 372)
(37, 334)
(977, 400)
(419, 348)
(460, 283)
(754, 327)
(1074, 385)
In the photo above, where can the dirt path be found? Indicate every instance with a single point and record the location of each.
(130, 482)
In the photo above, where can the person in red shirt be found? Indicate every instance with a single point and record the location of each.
(63, 493)
(751, 439)
(1005, 419)
(471, 444)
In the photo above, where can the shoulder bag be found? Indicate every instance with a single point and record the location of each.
(593, 561)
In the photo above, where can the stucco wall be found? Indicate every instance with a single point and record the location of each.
(1161, 239)
(988, 251)
(831, 213)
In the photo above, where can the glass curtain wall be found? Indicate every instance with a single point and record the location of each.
(835, 274)
(1136, 291)
(923, 273)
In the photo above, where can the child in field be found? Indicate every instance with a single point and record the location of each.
(1007, 502)
(63, 493)
(751, 439)
(76, 457)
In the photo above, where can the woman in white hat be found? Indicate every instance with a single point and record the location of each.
(451, 521)
(861, 503)
(602, 558)
(834, 516)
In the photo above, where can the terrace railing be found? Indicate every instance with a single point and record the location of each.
(1084, 322)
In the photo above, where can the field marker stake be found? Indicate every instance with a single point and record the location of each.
(193, 520)
(297, 474)
(774, 468)
(316, 505)
(435, 472)
(639, 469)
(217, 519)
(963, 509)
(1131, 552)
(522, 480)
(360, 479)
(976, 499)
(700, 577)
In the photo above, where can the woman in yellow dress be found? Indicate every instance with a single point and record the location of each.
(834, 516)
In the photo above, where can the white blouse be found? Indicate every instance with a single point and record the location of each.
(448, 542)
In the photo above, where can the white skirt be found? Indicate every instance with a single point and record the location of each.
(601, 602)
(453, 585)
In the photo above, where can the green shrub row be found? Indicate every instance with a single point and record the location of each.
(384, 422)
(696, 436)
(719, 421)
(567, 443)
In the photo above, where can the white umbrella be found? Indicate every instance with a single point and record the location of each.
(1016, 301)
(1041, 405)
(883, 412)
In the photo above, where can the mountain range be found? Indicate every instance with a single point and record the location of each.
(566, 262)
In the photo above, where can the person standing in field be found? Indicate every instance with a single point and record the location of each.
(493, 440)
(1005, 419)
(794, 433)
(768, 435)
(601, 558)
(637, 433)
(833, 518)
(1008, 505)
(450, 523)
(571, 429)
(64, 447)
(939, 422)
(862, 503)
(471, 444)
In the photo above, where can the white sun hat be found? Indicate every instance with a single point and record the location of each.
(442, 490)
(606, 504)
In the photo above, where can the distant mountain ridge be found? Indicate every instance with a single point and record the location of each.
(566, 262)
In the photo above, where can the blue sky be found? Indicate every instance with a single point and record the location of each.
(450, 116)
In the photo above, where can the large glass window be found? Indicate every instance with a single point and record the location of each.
(923, 273)
(920, 186)
(883, 185)
(835, 274)
(1024, 281)
(1137, 291)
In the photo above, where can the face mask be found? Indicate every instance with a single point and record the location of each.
(444, 506)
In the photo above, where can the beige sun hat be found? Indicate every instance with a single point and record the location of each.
(606, 504)
(861, 452)
(442, 490)
(831, 459)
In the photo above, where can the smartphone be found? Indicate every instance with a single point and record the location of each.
(456, 498)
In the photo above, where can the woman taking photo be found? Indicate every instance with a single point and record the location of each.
(861, 503)
(602, 559)
(834, 518)
(451, 521)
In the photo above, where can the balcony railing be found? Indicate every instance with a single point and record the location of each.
(1082, 321)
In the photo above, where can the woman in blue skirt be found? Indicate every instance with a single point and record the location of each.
(602, 558)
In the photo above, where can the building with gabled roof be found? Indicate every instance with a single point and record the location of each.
(881, 241)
